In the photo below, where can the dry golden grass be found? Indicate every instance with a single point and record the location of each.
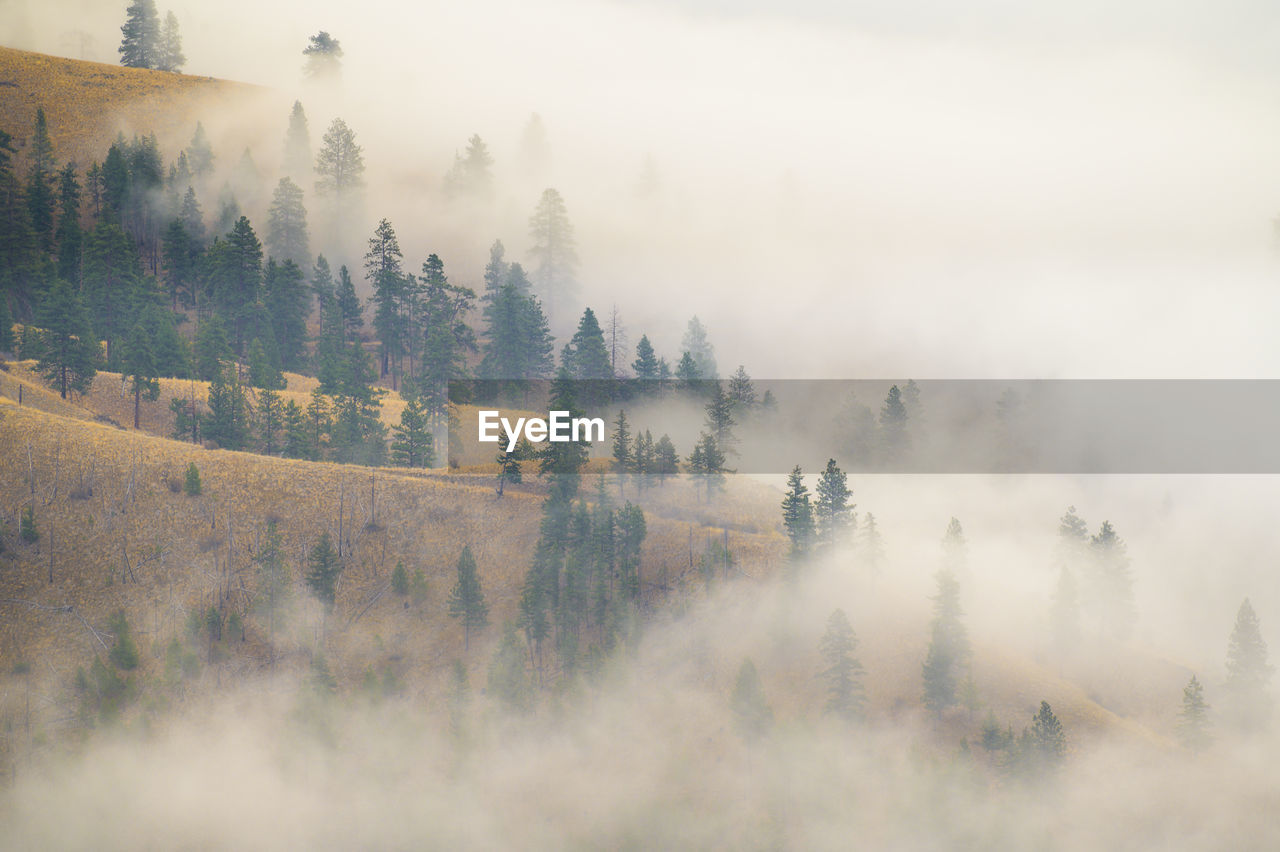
(88, 103)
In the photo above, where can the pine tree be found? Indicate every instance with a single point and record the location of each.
(1248, 671)
(273, 577)
(751, 710)
(665, 460)
(324, 568)
(509, 464)
(555, 250)
(698, 345)
(623, 454)
(1047, 744)
(1113, 586)
(18, 250)
(412, 445)
(69, 355)
(297, 146)
(797, 515)
(1064, 615)
(211, 349)
(200, 153)
(948, 653)
(586, 359)
(139, 47)
(70, 235)
(340, 163)
(563, 461)
(383, 264)
(707, 462)
(954, 549)
(470, 176)
(1193, 722)
(270, 421)
(287, 224)
(169, 56)
(229, 412)
(40, 195)
(466, 599)
(742, 394)
(1073, 536)
(894, 441)
(508, 679)
(324, 57)
(719, 418)
(124, 651)
(191, 485)
(645, 365)
(140, 367)
(846, 696)
(263, 373)
(113, 284)
(688, 375)
(447, 339)
(832, 512)
(6, 324)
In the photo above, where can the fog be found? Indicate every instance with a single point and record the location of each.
(844, 191)
(860, 192)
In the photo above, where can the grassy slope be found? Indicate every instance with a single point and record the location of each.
(88, 103)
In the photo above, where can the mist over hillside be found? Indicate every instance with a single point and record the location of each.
(261, 585)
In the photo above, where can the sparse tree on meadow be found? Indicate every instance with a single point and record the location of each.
(139, 47)
(323, 569)
(412, 444)
(140, 367)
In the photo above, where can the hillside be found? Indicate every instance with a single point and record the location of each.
(88, 103)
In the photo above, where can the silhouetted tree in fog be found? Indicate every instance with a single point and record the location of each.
(1248, 672)
(843, 672)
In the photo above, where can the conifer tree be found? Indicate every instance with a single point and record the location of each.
(169, 56)
(139, 47)
(1113, 583)
(586, 359)
(40, 178)
(287, 224)
(200, 153)
(832, 512)
(383, 264)
(70, 235)
(555, 251)
(470, 175)
(6, 324)
(1248, 671)
(324, 566)
(1047, 744)
(69, 355)
(229, 412)
(508, 679)
(273, 577)
(751, 710)
(742, 394)
(1073, 537)
(412, 444)
(707, 462)
(871, 544)
(447, 338)
(623, 455)
(140, 367)
(698, 345)
(211, 349)
(1193, 722)
(842, 671)
(270, 416)
(797, 515)
(324, 57)
(665, 460)
(645, 366)
(948, 654)
(339, 164)
(719, 418)
(297, 147)
(894, 441)
(954, 549)
(509, 464)
(466, 599)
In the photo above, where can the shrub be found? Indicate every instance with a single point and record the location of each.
(27, 530)
(124, 653)
(400, 580)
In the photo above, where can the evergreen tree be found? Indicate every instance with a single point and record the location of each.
(140, 367)
(200, 153)
(872, 545)
(623, 455)
(698, 345)
(1248, 671)
(466, 599)
(273, 577)
(894, 441)
(1044, 751)
(508, 679)
(18, 251)
(140, 45)
(192, 217)
(323, 569)
(340, 163)
(742, 394)
(843, 672)
(707, 461)
(1193, 723)
(495, 271)
(517, 344)
(383, 264)
(263, 373)
(68, 354)
(665, 461)
(70, 235)
(412, 445)
(324, 57)
(1113, 583)
(180, 263)
(447, 338)
(688, 375)
(720, 420)
(211, 349)
(1073, 536)
(509, 464)
(954, 549)
(563, 460)
(797, 515)
(645, 366)
(643, 462)
(124, 651)
(169, 56)
(586, 359)
(287, 303)
(751, 710)
(1064, 615)
(948, 654)
(191, 483)
(470, 175)
(832, 513)
(40, 194)
(229, 412)
(554, 249)
(297, 146)
(287, 224)
(113, 284)
(270, 421)
(6, 324)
